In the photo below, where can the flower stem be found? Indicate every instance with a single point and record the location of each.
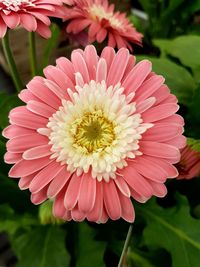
(11, 63)
(32, 53)
(126, 244)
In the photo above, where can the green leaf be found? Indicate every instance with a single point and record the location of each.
(177, 78)
(6, 104)
(43, 246)
(194, 144)
(10, 222)
(185, 48)
(90, 251)
(174, 230)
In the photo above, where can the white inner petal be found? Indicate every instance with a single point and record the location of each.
(15, 4)
(96, 131)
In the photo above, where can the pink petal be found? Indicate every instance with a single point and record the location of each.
(58, 205)
(72, 192)
(108, 54)
(58, 183)
(40, 109)
(77, 215)
(25, 168)
(45, 176)
(39, 197)
(21, 143)
(3, 28)
(101, 72)
(111, 200)
(122, 186)
(37, 152)
(11, 20)
(97, 210)
(137, 76)
(66, 66)
(137, 181)
(80, 65)
(28, 22)
(118, 67)
(160, 150)
(11, 158)
(128, 212)
(25, 181)
(15, 131)
(43, 30)
(91, 59)
(87, 193)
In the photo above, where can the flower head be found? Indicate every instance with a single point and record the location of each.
(94, 132)
(189, 165)
(101, 20)
(33, 15)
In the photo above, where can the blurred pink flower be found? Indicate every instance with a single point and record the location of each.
(189, 165)
(101, 20)
(93, 133)
(33, 15)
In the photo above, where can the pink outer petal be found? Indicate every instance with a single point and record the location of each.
(111, 200)
(25, 95)
(77, 214)
(58, 183)
(24, 167)
(45, 176)
(97, 210)
(87, 193)
(148, 88)
(15, 131)
(42, 92)
(3, 28)
(165, 165)
(12, 158)
(22, 143)
(101, 72)
(28, 22)
(59, 77)
(137, 76)
(11, 20)
(138, 197)
(25, 181)
(66, 66)
(37, 152)
(159, 189)
(108, 54)
(118, 67)
(128, 212)
(136, 181)
(160, 150)
(162, 132)
(80, 65)
(40, 109)
(122, 186)
(160, 112)
(39, 197)
(149, 169)
(58, 205)
(179, 141)
(72, 192)
(27, 119)
(91, 59)
(43, 30)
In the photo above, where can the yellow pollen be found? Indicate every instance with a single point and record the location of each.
(92, 132)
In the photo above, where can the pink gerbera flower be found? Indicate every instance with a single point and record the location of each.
(33, 15)
(93, 133)
(189, 165)
(101, 20)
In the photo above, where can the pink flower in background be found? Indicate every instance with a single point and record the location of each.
(33, 15)
(101, 20)
(189, 165)
(94, 132)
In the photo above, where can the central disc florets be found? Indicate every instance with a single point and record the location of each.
(98, 12)
(93, 131)
(96, 131)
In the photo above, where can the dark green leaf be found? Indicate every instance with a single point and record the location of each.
(173, 229)
(90, 251)
(42, 247)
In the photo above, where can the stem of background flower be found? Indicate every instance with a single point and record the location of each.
(126, 244)
(11, 63)
(32, 53)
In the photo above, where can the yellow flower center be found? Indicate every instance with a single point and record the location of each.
(93, 132)
(99, 13)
